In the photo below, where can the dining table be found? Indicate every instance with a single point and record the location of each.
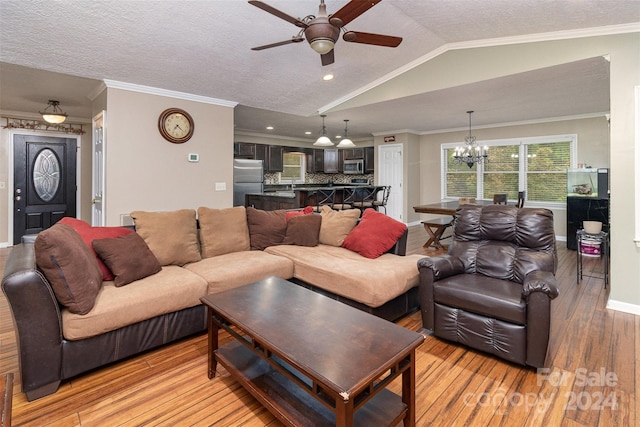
(435, 227)
(446, 207)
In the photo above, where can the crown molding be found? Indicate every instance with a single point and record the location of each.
(113, 84)
(502, 41)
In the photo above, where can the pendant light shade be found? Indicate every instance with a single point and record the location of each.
(345, 142)
(53, 113)
(323, 140)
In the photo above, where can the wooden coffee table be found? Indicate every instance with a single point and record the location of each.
(311, 360)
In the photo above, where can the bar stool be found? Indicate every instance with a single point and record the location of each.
(435, 228)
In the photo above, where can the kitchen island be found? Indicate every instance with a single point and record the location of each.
(299, 197)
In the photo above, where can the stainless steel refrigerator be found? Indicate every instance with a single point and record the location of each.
(248, 177)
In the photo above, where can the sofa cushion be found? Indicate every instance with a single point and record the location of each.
(496, 298)
(303, 230)
(336, 225)
(171, 236)
(375, 235)
(128, 257)
(266, 228)
(372, 282)
(240, 268)
(70, 267)
(223, 230)
(308, 210)
(90, 233)
(172, 289)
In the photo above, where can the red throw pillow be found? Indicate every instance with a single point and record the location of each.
(89, 234)
(374, 235)
(306, 211)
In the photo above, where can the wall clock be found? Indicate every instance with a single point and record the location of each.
(175, 125)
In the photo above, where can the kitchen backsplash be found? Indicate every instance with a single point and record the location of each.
(318, 178)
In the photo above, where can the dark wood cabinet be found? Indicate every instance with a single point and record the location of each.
(244, 150)
(353, 153)
(369, 160)
(331, 160)
(275, 164)
(315, 161)
(262, 153)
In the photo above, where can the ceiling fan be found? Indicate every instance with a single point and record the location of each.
(322, 31)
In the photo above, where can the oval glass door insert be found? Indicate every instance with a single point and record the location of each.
(46, 175)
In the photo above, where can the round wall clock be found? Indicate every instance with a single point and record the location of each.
(175, 125)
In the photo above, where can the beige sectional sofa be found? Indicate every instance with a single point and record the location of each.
(229, 248)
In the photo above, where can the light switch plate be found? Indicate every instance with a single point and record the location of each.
(221, 186)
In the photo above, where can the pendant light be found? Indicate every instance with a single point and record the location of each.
(55, 115)
(323, 140)
(345, 142)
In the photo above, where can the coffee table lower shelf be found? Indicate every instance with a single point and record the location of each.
(291, 404)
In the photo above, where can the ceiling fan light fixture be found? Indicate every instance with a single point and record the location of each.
(322, 45)
(55, 115)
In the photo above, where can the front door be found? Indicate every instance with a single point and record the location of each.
(44, 177)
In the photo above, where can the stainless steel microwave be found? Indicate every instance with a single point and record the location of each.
(353, 166)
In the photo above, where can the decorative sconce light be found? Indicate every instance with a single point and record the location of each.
(55, 115)
(323, 140)
(471, 153)
(345, 142)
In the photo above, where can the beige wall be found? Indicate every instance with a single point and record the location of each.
(146, 172)
(593, 148)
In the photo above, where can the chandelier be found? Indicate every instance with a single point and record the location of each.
(471, 153)
(323, 140)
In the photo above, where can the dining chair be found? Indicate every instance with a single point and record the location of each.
(499, 199)
(521, 196)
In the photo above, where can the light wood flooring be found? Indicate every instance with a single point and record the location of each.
(592, 379)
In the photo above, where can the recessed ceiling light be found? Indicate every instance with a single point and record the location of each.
(269, 127)
(308, 132)
(327, 77)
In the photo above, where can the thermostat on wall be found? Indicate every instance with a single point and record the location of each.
(194, 157)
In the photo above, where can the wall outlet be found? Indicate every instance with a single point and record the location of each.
(221, 186)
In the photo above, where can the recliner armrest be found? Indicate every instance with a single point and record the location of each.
(442, 266)
(540, 281)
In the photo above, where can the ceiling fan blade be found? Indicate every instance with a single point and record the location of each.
(267, 46)
(369, 38)
(272, 10)
(327, 58)
(351, 11)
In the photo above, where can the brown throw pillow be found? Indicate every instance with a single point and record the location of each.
(70, 267)
(336, 225)
(171, 236)
(128, 257)
(303, 230)
(266, 228)
(223, 231)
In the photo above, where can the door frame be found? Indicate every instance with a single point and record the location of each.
(10, 169)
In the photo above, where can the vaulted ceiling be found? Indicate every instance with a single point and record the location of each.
(62, 50)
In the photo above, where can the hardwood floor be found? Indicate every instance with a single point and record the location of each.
(592, 378)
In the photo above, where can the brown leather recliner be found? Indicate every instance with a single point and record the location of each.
(493, 289)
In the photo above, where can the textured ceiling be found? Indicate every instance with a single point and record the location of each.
(203, 48)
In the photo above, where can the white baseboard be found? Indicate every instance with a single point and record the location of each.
(624, 307)
(4, 245)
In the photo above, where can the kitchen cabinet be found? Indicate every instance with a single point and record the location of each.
(274, 163)
(315, 161)
(353, 153)
(369, 160)
(331, 160)
(262, 153)
(244, 150)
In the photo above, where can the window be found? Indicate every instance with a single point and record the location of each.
(535, 165)
(293, 169)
